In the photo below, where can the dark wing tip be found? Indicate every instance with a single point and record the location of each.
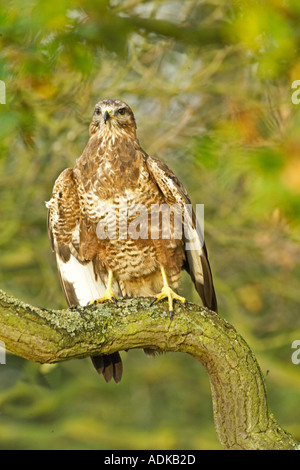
(211, 302)
(214, 304)
(203, 283)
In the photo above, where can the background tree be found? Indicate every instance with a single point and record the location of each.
(210, 85)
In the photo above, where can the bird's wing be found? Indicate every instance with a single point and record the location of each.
(79, 281)
(197, 264)
(74, 243)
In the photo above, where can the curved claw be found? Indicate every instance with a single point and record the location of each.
(108, 296)
(168, 293)
(153, 301)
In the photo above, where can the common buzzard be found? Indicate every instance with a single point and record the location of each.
(105, 225)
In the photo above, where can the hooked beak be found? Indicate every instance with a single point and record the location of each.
(106, 116)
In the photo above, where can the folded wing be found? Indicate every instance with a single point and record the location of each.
(197, 264)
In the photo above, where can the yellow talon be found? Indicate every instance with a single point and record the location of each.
(108, 294)
(168, 293)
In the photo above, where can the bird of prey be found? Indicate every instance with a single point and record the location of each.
(99, 254)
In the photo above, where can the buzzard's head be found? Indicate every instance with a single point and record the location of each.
(113, 116)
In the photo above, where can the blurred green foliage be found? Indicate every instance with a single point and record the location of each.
(210, 85)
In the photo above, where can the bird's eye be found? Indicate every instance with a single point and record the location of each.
(98, 111)
(122, 111)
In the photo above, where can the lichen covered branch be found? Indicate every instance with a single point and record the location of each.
(242, 416)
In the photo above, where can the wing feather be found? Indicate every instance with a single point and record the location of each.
(81, 283)
(77, 275)
(197, 264)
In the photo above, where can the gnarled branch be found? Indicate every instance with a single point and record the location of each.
(241, 412)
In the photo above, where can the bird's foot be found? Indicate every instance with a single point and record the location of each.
(108, 295)
(168, 293)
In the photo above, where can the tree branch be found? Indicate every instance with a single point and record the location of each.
(241, 412)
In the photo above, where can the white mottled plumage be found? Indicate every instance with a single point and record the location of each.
(82, 278)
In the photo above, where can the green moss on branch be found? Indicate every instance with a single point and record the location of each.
(242, 416)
